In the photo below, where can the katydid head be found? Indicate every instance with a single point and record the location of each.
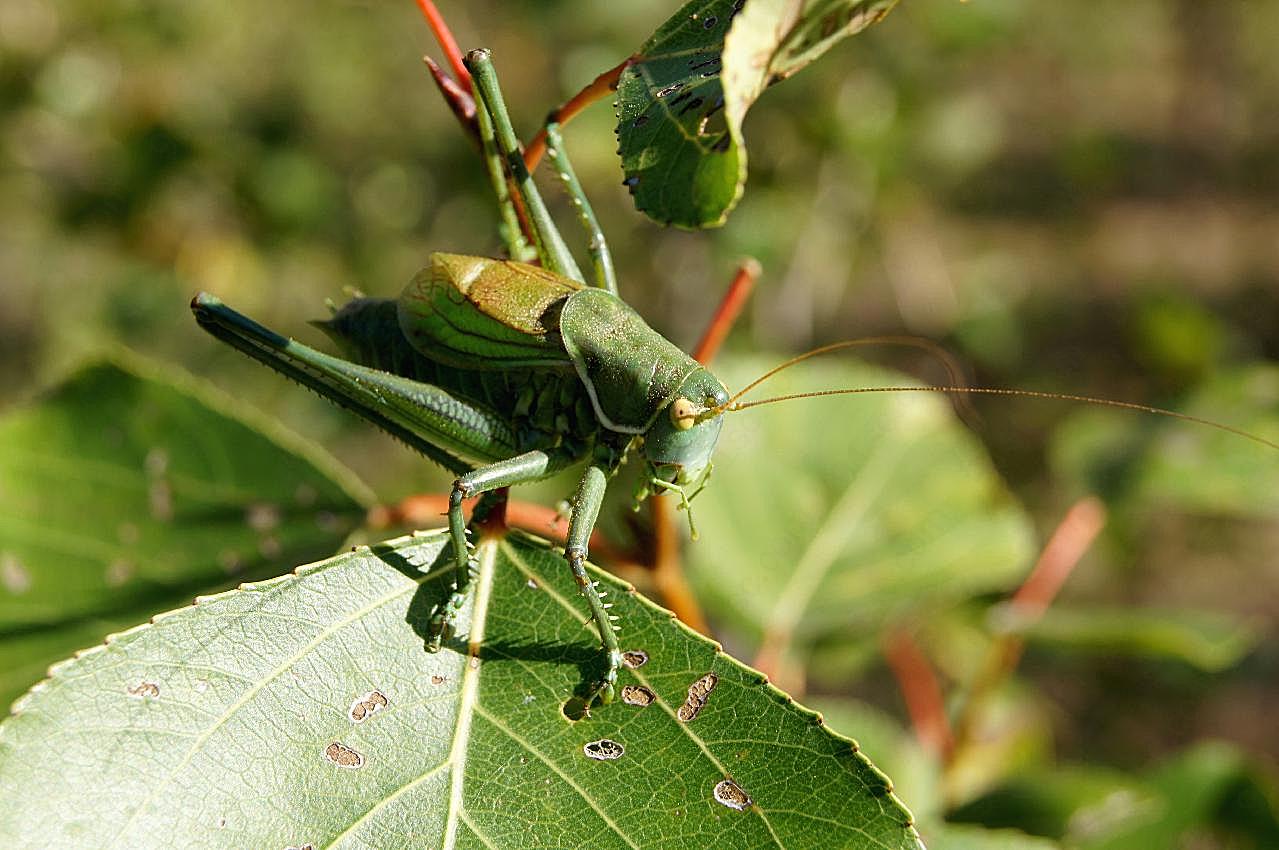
(679, 444)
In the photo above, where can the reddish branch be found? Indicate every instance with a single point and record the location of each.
(598, 89)
(1065, 548)
(1067, 545)
(425, 510)
(668, 570)
(444, 37)
(739, 291)
(920, 690)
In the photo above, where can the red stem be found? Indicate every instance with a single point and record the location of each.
(597, 89)
(424, 510)
(921, 691)
(444, 36)
(1076, 532)
(1067, 545)
(730, 307)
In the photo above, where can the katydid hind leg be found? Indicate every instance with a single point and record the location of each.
(551, 248)
(520, 469)
(586, 507)
(510, 228)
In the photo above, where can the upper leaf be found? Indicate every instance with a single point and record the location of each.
(305, 711)
(681, 103)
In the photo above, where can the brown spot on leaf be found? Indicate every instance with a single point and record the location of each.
(145, 690)
(637, 695)
(13, 575)
(269, 546)
(634, 658)
(262, 517)
(118, 572)
(698, 694)
(343, 756)
(367, 705)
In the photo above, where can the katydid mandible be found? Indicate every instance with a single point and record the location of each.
(506, 373)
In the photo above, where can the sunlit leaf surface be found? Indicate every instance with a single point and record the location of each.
(305, 710)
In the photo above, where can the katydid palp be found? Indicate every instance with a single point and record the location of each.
(505, 373)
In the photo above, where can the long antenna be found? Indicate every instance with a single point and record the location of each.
(943, 356)
(735, 406)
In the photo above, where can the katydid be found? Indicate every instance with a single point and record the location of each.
(506, 373)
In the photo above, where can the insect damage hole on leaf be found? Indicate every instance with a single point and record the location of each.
(698, 694)
(638, 695)
(575, 708)
(604, 749)
(145, 690)
(730, 794)
(367, 705)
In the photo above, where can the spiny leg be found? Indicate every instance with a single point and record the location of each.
(601, 257)
(529, 466)
(586, 507)
(551, 248)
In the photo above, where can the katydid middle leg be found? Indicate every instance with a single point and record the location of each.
(529, 466)
(520, 469)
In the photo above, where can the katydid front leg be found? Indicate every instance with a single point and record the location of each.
(520, 469)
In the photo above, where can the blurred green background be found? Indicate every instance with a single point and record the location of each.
(1075, 196)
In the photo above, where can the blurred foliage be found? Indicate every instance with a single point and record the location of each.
(1072, 196)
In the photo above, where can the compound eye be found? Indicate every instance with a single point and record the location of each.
(683, 413)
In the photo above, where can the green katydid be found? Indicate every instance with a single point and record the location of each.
(506, 373)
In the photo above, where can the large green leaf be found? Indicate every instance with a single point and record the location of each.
(124, 483)
(681, 103)
(305, 710)
(1144, 462)
(1208, 640)
(826, 516)
(1080, 804)
(126, 490)
(1211, 789)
